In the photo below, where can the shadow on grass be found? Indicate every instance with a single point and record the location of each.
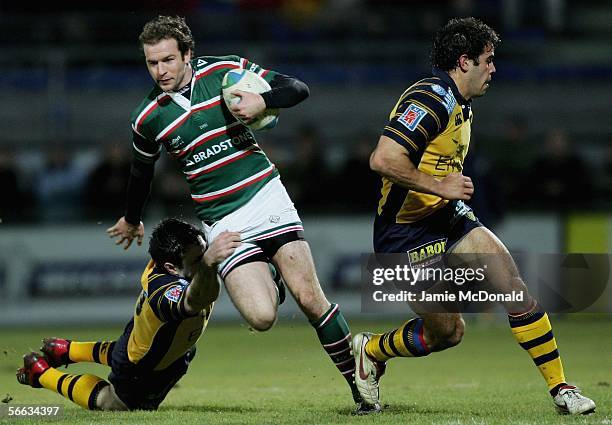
(211, 408)
(403, 408)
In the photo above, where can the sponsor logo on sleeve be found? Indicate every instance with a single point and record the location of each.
(449, 102)
(174, 293)
(438, 89)
(412, 117)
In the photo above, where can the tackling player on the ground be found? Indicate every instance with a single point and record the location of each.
(179, 287)
(420, 158)
(233, 184)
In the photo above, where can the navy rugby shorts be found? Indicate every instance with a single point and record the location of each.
(432, 236)
(140, 388)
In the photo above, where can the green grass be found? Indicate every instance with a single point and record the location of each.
(283, 376)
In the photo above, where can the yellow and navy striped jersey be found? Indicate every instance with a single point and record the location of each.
(162, 331)
(433, 122)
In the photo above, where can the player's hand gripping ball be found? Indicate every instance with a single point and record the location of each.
(245, 80)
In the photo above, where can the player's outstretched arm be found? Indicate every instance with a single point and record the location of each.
(391, 160)
(126, 232)
(204, 287)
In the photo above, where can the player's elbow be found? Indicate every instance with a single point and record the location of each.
(378, 163)
(303, 90)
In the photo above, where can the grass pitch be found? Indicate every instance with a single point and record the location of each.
(283, 376)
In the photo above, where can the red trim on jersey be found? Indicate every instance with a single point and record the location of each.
(208, 106)
(229, 192)
(216, 68)
(221, 164)
(186, 117)
(264, 73)
(152, 106)
(201, 142)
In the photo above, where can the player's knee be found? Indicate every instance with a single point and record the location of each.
(263, 321)
(108, 400)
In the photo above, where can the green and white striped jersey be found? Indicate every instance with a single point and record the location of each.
(219, 156)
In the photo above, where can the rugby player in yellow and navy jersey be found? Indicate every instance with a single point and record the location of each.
(179, 288)
(422, 212)
(232, 182)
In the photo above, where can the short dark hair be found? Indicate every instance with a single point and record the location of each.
(461, 36)
(170, 239)
(168, 27)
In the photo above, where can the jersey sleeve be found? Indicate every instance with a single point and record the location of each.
(267, 74)
(419, 117)
(144, 149)
(168, 303)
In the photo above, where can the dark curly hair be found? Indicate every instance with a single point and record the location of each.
(461, 36)
(170, 240)
(168, 27)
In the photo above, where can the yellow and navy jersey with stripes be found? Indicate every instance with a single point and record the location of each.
(218, 155)
(433, 122)
(162, 331)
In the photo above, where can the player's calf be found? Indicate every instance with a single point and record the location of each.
(80, 389)
(442, 331)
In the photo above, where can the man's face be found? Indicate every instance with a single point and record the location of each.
(191, 259)
(168, 68)
(479, 76)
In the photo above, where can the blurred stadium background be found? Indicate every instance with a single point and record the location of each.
(541, 153)
(541, 159)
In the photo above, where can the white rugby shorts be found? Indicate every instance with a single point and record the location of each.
(268, 214)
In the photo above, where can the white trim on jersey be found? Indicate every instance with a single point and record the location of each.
(211, 133)
(147, 108)
(147, 154)
(137, 132)
(184, 116)
(212, 65)
(222, 160)
(170, 127)
(235, 185)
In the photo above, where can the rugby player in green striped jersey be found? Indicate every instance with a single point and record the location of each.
(234, 186)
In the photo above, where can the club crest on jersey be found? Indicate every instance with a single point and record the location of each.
(412, 117)
(174, 293)
(438, 89)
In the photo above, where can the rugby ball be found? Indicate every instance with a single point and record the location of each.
(245, 80)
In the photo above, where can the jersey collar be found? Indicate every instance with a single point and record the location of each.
(181, 100)
(443, 75)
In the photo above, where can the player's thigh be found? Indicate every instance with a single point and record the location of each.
(108, 399)
(294, 260)
(481, 248)
(252, 290)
